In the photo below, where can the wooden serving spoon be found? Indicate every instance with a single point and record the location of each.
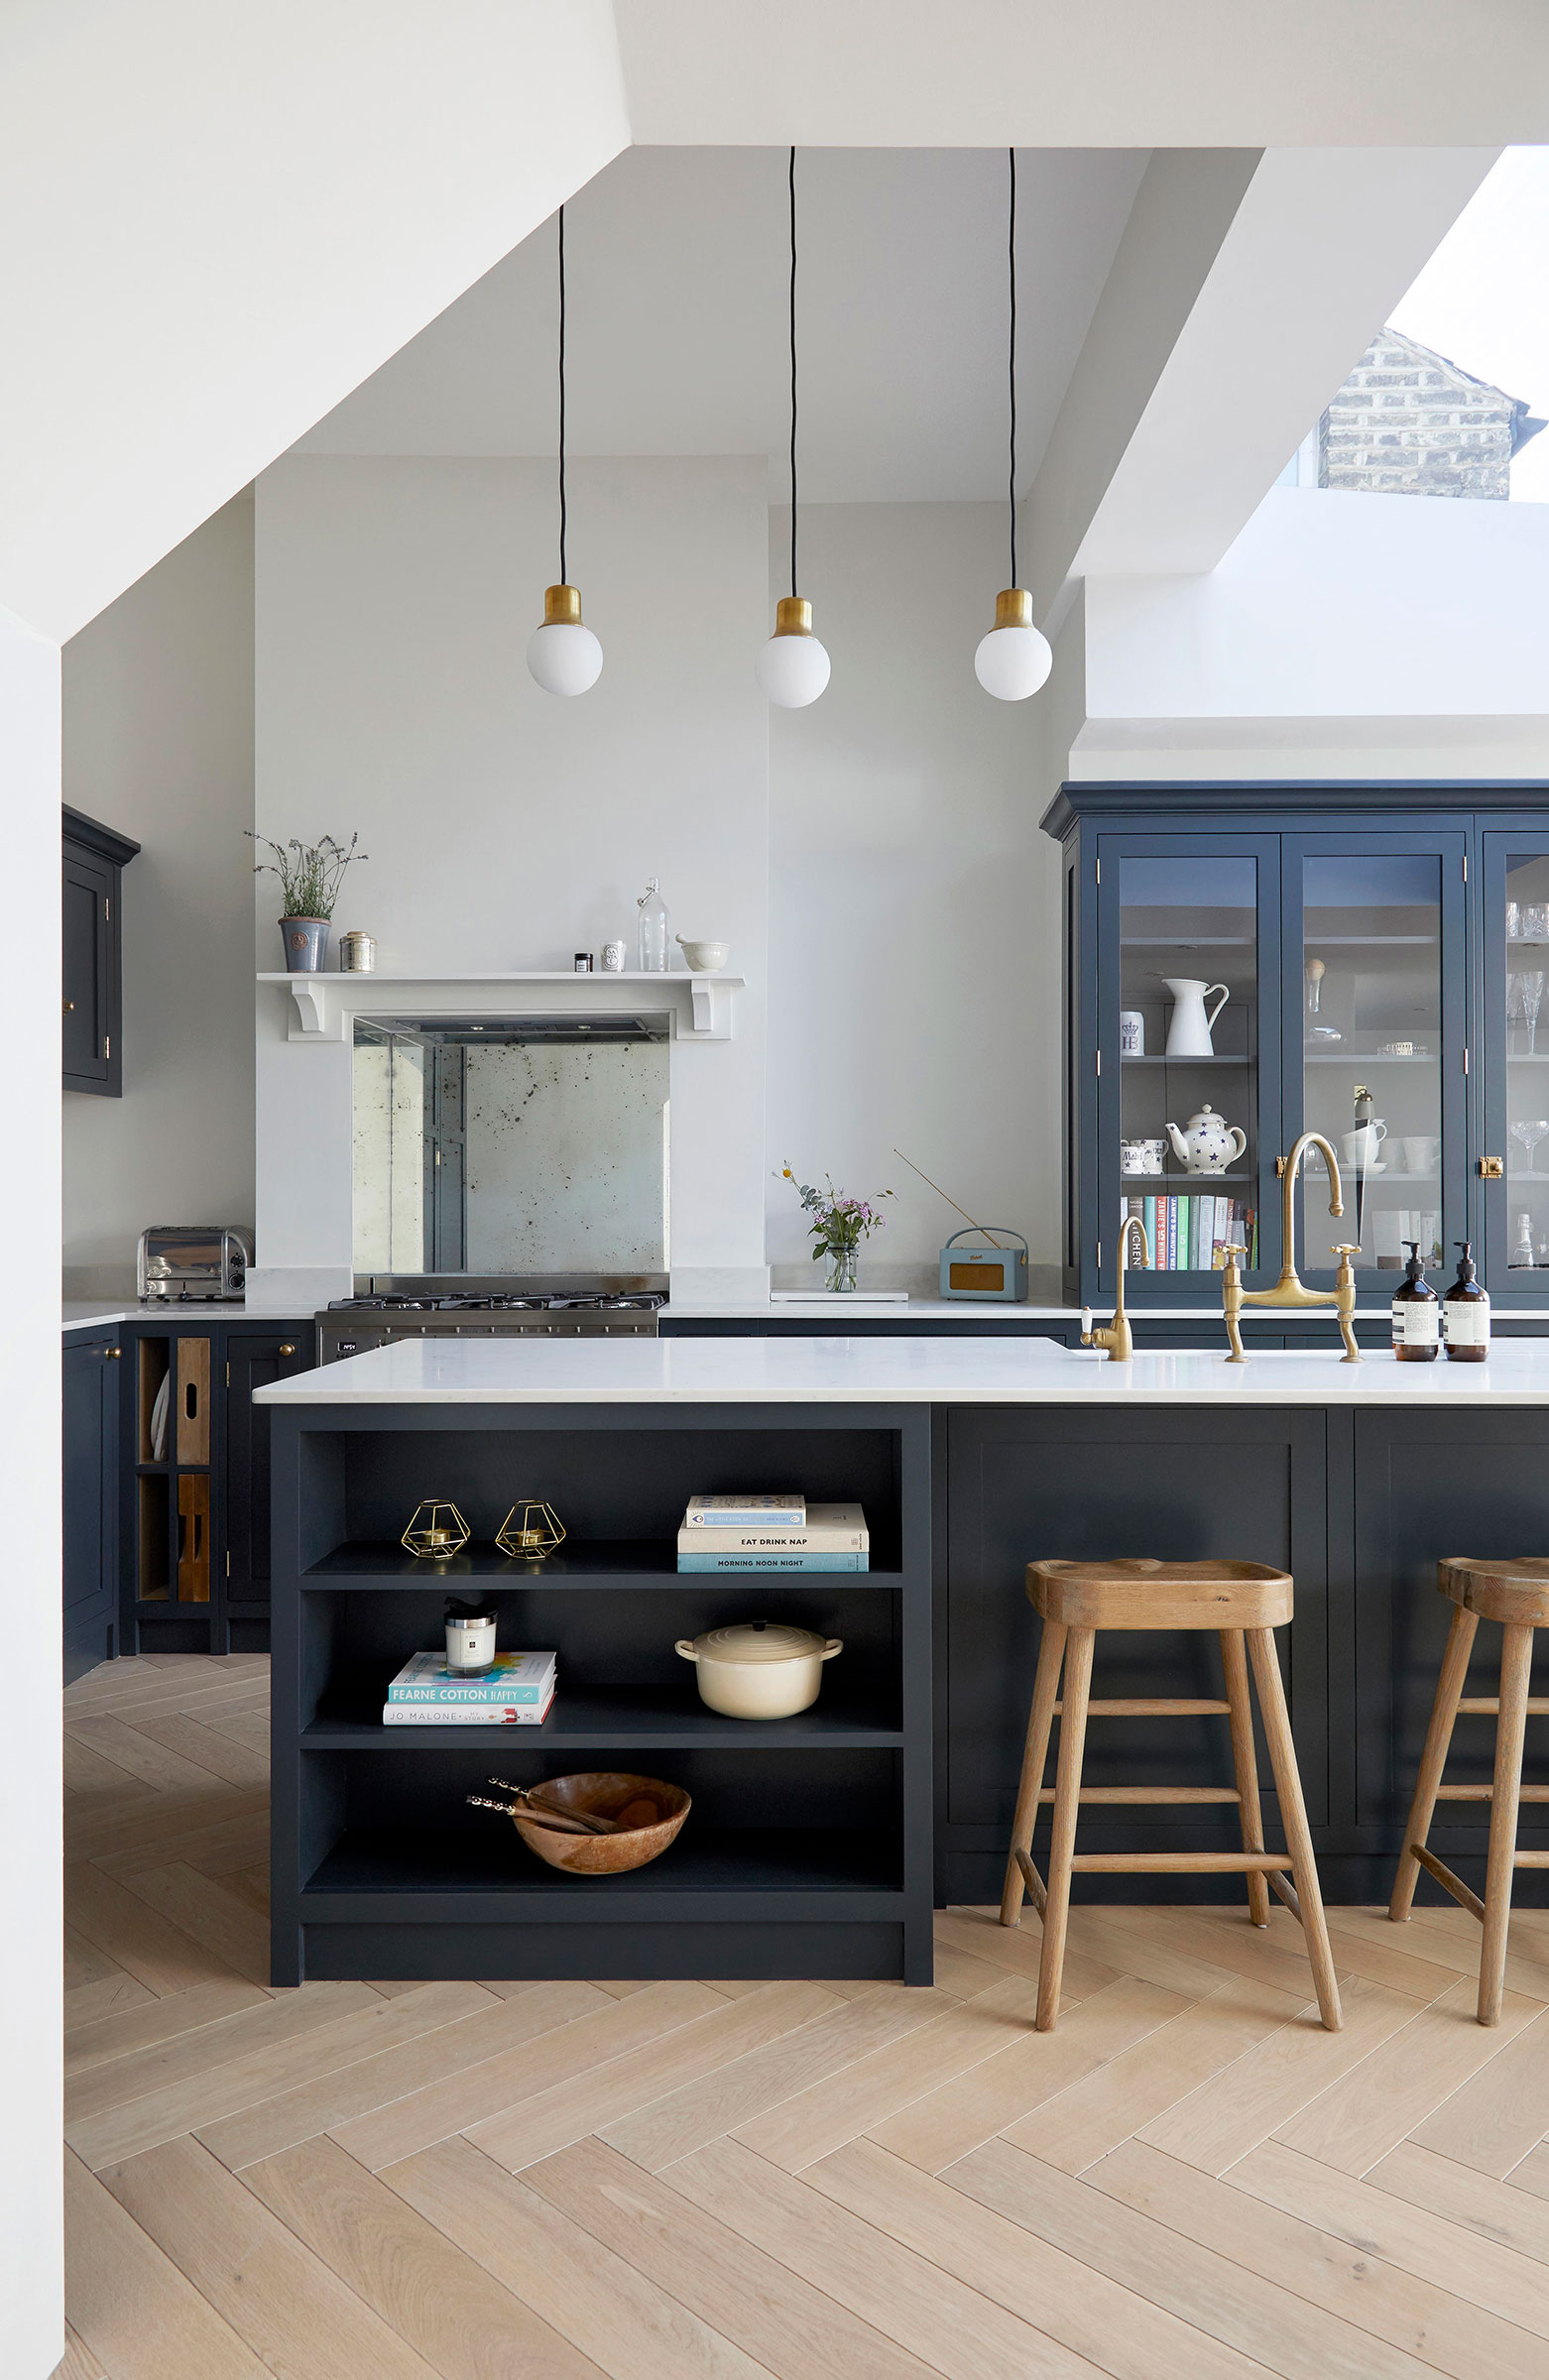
(577, 1822)
(557, 1824)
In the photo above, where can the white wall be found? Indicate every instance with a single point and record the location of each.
(159, 744)
(1331, 608)
(32, 2276)
(508, 829)
(913, 967)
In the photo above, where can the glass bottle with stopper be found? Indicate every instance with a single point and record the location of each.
(1416, 1331)
(653, 944)
(1465, 1314)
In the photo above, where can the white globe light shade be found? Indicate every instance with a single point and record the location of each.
(1014, 660)
(1012, 663)
(565, 658)
(793, 667)
(793, 670)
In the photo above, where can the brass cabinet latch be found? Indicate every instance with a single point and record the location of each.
(1492, 1169)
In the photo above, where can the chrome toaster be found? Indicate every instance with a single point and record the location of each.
(194, 1259)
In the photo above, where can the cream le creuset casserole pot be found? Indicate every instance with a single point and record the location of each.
(762, 1670)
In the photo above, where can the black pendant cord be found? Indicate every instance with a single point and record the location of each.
(1011, 260)
(792, 367)
(564, 577)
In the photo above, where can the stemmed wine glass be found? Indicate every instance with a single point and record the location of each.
(1532, 983)
(1528, 1135)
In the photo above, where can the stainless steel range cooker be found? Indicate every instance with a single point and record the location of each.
(563, 1306)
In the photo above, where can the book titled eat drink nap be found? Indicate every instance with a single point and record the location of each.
(832, 1537)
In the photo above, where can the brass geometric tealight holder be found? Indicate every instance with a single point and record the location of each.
(531, 1529)
(436, 1532)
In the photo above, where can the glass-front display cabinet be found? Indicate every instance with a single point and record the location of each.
(1247, 963)
(1515, 1171)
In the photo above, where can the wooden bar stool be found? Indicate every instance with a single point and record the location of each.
(1244, 1601)
(1518, 1595)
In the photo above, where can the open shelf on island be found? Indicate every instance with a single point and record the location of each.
(734, 1863)
(616, 1719)
(1163, 1059)
(595, 1562)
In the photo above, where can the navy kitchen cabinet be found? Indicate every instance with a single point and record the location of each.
(1384, 938)
(94, 859)
(254, 1359)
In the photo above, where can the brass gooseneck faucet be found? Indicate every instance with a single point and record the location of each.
(1115, 1337)
(1288, 1289)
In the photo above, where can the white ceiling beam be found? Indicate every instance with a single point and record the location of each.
(1054, 74)
(221, 219)
(1187, 400)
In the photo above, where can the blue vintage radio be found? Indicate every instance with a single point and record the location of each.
(985, 1275)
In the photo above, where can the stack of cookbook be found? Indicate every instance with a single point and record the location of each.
(771, 1532)
(516, 1693)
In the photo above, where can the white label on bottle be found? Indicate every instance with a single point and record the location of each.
(1414, 1322)
(1467, 1322)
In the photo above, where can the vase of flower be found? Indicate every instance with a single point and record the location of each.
(310, 874)
(841, 1270)
(838, 1224)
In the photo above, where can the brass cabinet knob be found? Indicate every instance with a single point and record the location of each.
(287, 1348)
(112, 1351)
(1492, 1169)
(68, 1008)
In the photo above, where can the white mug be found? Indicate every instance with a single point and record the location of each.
(1420, 1152)
(612, 958)
(1131, 1034)
(1361, 1146)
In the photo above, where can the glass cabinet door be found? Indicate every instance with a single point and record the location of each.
(1374, 1041)
(1515, 1200)
(1188, 958)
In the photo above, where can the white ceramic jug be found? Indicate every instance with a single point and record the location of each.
(1188, 1030)
(1207, 1142)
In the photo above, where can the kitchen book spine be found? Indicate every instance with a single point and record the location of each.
(1148, 1218)
(813, 1560)
(499, 1715)
(745, 1513)
(1172, 1235)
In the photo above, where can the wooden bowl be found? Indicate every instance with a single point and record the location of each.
(649, 1811)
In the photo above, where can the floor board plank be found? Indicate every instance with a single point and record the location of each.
(1404, 2312)
(139, 2314)
(1498, 2210)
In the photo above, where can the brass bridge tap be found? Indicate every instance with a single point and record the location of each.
(1288, 1289)
(1115, 1337)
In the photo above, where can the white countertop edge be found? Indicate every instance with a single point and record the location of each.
(893, 1372)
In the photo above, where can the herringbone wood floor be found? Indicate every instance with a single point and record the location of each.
(1188, 2179)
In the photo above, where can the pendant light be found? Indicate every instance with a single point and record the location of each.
(1014, 660)
(793, 667)
(564, 657)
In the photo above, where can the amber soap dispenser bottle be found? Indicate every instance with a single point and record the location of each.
(1466, 1315)
(1416, 1337)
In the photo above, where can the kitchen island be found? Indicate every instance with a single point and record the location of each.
(816, 1845)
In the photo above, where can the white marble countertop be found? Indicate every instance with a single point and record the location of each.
(95, 1314)
(943, 1309)
(901, 1370)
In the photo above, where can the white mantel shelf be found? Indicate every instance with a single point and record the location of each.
(325, 1004)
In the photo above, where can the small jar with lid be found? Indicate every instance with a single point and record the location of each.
(1416, 1325)
(1465, 1314)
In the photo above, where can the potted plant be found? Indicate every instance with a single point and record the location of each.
(310, 874)
(839, 1224)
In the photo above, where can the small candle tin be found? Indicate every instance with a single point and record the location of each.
(583, 962)
(357, 954)
(470, 1638)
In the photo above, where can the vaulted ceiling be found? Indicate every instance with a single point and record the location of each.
(677, 277)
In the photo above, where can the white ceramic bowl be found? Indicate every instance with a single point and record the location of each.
(705, 958)
(762, 1670)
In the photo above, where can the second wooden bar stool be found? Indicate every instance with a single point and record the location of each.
(1244, 1601)
(1517, 1594)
